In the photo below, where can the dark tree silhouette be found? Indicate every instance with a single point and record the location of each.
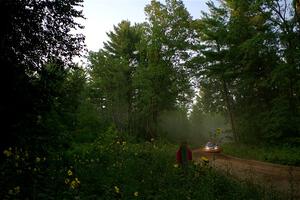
(33, 33)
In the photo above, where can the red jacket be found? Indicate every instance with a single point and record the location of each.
(179, 157)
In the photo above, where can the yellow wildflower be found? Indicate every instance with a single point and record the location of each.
(176, 165)
(70, 173)
(67, 181)
(7, 153)
(117, 190)
(123, 142)
(17, 157)
(77, 181)
(218, 131)
(37, 159)
(204, 158)
(152, 139)
(118, 142)
(17, 189)
(73, 184)
(136, 194)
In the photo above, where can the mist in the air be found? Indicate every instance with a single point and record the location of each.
(196, 129)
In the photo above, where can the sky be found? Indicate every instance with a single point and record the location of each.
(101, 15)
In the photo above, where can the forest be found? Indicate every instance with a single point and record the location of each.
(109, 129)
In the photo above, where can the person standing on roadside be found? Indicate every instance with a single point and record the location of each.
(184, 154)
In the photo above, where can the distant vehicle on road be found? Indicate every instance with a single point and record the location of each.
(212, 148)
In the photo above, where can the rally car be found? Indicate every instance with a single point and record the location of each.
(212, 148)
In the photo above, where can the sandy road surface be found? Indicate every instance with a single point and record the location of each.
(283, 178)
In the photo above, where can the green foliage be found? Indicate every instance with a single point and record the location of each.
(34, 36)
(113, 168)
(27, 174)
(244, 56)
(112, 73)
(141, 71)
(246, 68)
(62, 119)
(285, 154)
(89, 123)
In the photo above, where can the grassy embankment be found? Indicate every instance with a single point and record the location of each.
(285, 154)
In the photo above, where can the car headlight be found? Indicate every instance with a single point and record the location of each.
(206, 147)
(216, 147)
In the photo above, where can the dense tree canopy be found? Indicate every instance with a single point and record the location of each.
(249, 64)
(243, 55)
(242, 58)
(140, 72)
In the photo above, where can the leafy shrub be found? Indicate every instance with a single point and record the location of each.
(115, 168)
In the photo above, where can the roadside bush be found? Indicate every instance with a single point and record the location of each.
(115, 168)
(283, 154)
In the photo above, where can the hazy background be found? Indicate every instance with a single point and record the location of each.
(102, 15)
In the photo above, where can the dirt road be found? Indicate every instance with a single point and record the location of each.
(283, 178)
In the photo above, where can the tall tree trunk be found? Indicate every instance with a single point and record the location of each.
(230, 112)
(154, 118)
